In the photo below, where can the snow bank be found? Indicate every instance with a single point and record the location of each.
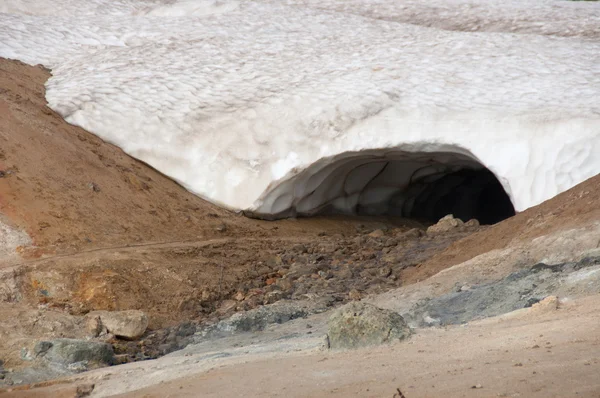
(251, 104)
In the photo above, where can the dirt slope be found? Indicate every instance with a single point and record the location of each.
(71, 191)
(576, 207)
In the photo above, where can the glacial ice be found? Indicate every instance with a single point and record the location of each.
(288, 107)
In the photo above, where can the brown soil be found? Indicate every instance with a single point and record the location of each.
(71, 191)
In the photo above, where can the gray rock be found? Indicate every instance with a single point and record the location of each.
(273, 297)
(78, 367)
(377, 234)
(413, 233)
(70, 351)
(445, 224)
(472, 223)
(518, 290)
(42, 347)
(129, 324)
(84, 390)
(360, 324)
(261, 318)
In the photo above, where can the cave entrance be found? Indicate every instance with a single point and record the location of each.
(424, 186)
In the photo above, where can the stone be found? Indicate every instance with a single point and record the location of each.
(93, 325)
(227, 306)
(129, 324)
(78, 367)
(300, 248)
(413, 233)
(239, 296)
(472, 223)
(327, 247)
(270, 281)
(377, 234)
(429, 321)
(222, 227)
(324, 274)
(445, 224)
(343, 273)
(273, 262)
(72, 351)
(464, 288)
(273, 297)
(26, 355)
(391, 242)
(360, 324)
(354, 295)
(41, 347)
(258, 319)
(84, 390)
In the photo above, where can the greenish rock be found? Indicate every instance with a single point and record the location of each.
(42, 347)
(362, 325)
(70, 351)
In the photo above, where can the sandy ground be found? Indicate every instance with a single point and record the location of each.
(536, 352)
(553, 354)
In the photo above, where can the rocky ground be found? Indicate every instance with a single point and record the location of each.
(107, 262)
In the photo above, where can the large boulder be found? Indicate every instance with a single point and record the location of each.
(129, 324)
(360, 325)
(71, 351)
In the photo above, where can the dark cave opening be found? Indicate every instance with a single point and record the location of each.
(424, 186)
(465, 193)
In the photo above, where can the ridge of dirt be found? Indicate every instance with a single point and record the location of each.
(71, 191)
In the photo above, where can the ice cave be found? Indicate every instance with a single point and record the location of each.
(424, 186)
(298, 108)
